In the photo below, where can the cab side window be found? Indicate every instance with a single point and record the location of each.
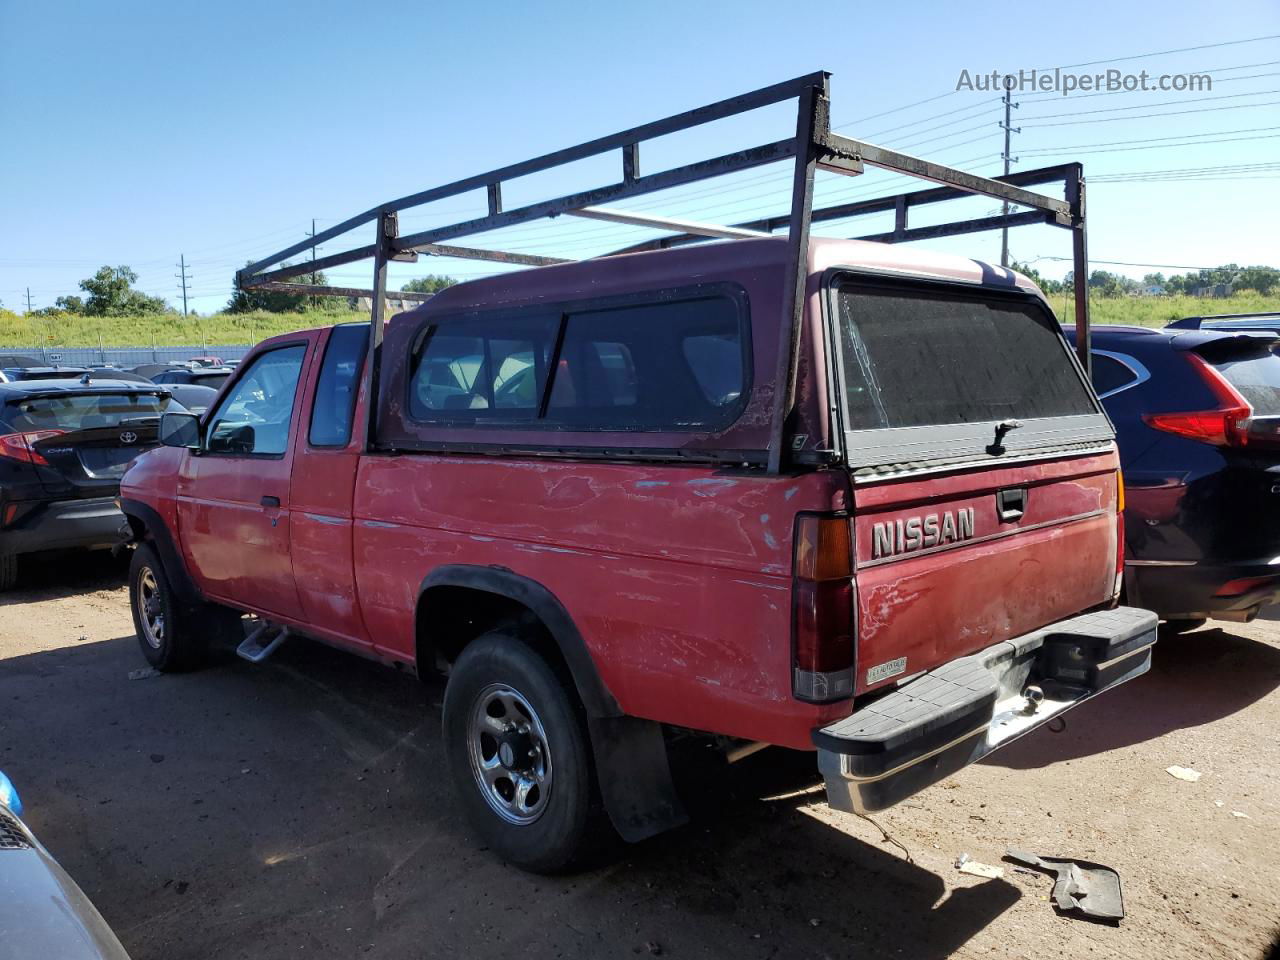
(337, 386)
(254, 418)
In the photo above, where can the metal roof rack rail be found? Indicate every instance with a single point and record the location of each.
(812, 146)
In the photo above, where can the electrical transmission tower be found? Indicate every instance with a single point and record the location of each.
(183, 277)
(1009, 105)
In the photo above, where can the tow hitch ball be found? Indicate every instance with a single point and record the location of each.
(1034, 697)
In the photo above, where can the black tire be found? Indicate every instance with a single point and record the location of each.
(173, 636)
(558, 836)
(8, 570)
(1173, 628)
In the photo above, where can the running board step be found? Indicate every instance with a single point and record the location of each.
(262, 642)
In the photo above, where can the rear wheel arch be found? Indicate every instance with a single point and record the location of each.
(458, 603)
(630, 755)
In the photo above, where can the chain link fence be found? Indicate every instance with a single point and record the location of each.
(125, 356)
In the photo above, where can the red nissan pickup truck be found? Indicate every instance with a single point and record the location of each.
(564, 508)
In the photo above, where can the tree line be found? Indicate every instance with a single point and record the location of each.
(1104, 283)
(110, 292)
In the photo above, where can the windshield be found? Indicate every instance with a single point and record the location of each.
(917, 356)
(81, 411)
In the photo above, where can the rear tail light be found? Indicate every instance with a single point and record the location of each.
(1225, 426)
(1119, 534)
(21, 446)
(823, 605)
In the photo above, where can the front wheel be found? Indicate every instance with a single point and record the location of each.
(518, 753)
(169, 634)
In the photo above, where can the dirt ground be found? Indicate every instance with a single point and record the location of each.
(300, 808)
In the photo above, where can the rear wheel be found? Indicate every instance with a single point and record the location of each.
(518, 753)
(173, 636)
(8, 570)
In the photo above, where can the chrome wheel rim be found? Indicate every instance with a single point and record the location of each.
(150, 609)
(509, 753)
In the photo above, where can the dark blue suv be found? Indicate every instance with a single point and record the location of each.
(1197, 414)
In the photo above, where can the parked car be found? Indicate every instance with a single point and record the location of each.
(205, 377)
(1233, 322)
(565, 507)
(20, 360)
(205, 362)
(192, 396)
(63, 448)
(111, 373)
(43, 913)
(1197, 413)
(46, 373)
(149, 370)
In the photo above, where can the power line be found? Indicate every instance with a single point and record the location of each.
(1184, 136)
(1140, 106)
(1171, 113)
(1127, 263)
(1161, 53)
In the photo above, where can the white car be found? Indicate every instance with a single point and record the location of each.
(42, 911)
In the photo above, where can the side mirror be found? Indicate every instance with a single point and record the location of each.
(180, 430)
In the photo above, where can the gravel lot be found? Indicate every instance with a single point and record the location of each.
(300, 808)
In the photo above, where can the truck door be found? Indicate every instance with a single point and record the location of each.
(233, 498)
(323, 484)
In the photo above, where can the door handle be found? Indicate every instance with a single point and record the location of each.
(1011, 504)
(270, 501)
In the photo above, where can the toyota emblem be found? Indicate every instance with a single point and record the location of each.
(128, 437)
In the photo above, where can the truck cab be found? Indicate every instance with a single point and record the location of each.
(556, 493)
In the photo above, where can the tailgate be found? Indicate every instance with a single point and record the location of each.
(952, 564)
(80, 442)
(90, 462)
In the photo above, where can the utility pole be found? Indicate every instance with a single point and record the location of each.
(28, 299)
(1009, 105)
(314, 301)
(182, 276)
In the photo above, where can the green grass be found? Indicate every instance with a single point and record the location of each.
(166, 330)
(225, 328)
(1158, 311)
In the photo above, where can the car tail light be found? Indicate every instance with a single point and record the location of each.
(1225, 426)
(823, 605)
(1236, 588)
(21, 446)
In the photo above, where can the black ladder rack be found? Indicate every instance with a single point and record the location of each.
(812, 146)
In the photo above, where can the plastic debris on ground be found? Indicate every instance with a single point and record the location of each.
(1184, 773)
(975, 868)
(1087, 890)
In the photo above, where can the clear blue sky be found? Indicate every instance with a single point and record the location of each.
(138, 131)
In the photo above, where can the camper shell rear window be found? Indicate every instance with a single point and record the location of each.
(928, 369)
